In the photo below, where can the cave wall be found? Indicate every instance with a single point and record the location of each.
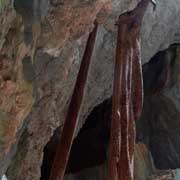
(159, 125)
(54, 57)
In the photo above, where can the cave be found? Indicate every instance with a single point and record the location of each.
(89, 148)
(42, 47)
(159, 122)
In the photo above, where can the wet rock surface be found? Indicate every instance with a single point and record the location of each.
(35, 94)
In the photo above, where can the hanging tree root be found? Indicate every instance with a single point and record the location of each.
(127, 99)
(64, 146)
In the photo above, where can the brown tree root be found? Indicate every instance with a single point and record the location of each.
(127, 94)
(64, 147)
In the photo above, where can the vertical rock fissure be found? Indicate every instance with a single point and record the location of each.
(127, 94)
(64, 146)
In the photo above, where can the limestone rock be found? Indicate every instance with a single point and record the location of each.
(144, 166)
(164, 175)
(159, 125)
(55, 53)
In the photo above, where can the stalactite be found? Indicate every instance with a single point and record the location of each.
(64, 147)
(127, 94)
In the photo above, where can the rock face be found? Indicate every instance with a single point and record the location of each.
(36, 80)
(159, 124)
(16, 92)
(144, 166)
(165, 175)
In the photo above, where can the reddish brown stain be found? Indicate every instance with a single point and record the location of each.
(127, 99)
(64, 147)
(127, 94)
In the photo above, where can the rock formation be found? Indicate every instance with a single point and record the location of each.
(37, 80)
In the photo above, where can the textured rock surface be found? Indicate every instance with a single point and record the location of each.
(159, 124)
(16, 92)
(165, 175)
(61, 40)
(144, 166)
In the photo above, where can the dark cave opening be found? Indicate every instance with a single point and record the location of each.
(89, 148)
(159, 124)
